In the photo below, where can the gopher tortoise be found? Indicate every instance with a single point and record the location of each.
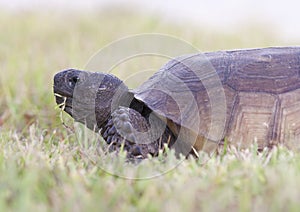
(192, 103)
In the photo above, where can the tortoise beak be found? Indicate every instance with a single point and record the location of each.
(65, 103)
(63, 88)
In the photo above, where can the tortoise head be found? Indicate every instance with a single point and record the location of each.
(88, 97)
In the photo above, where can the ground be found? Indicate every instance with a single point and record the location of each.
(45, 166)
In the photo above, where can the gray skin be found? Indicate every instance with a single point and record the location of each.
(104, 104)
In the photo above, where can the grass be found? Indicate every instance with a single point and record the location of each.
(46, 167)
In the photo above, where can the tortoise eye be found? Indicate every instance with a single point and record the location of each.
(73, 81)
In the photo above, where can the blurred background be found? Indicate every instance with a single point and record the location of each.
(282, 17)
(38, 38)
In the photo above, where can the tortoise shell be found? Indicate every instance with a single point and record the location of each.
(242, 95)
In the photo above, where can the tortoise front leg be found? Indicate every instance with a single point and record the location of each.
(120, 129)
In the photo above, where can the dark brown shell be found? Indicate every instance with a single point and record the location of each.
(244, 95)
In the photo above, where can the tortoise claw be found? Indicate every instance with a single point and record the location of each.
(136, 151)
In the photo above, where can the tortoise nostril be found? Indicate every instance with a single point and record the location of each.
(73, 81)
